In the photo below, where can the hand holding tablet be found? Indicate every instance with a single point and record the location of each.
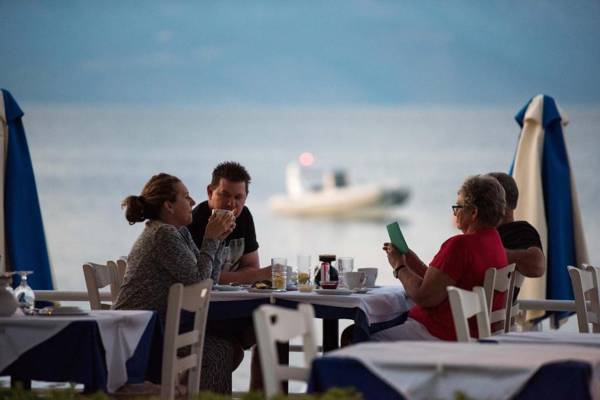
(397, 238)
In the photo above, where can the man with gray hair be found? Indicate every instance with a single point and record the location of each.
(520, 239)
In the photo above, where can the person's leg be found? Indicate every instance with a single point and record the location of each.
(347, 336)
(409, 330)
(219, 359)
(242, 330)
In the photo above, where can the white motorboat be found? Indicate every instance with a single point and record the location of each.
(333, 196)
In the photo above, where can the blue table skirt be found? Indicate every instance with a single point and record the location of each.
(76, 354)
(221, 310)
(557, 381)
(362, 330)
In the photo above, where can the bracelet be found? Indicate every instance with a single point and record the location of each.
(397, 269)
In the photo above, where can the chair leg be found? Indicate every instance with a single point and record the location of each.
(283, 353)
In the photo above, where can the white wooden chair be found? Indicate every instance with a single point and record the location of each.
(499, 280)
(465, 304)
(121, 266)
(274, 324)
(512, 313)
(98, 276)
(587, 297)
(194, 298)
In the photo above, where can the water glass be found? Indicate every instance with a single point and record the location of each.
(344, 264)
(279, 273)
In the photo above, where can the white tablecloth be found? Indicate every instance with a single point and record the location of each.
(120, 332)
(425, 370)
(552, 337)
(379, 304)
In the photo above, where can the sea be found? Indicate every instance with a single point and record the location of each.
(87, 158)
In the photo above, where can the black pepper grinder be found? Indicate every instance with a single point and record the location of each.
(333, 273)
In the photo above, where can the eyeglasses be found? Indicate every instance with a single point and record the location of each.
(455, 209)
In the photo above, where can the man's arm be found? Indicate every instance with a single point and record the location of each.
(248, 272)
(530, 262)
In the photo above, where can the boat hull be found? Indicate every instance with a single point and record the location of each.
(345, 201)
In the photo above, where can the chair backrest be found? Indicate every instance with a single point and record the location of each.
(274, 324)
(498, 280)
(121, 266)
(465, 304)
(513, 290)
(194, 298)
(587, 297)
(98, 276)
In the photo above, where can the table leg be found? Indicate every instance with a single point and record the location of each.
(283, 352)
(24, 383)
(330, 334)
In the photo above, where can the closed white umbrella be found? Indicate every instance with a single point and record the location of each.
(548, 196)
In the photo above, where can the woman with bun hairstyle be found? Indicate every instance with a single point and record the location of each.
(165, 254)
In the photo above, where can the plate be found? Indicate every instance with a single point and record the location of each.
(268, 290)
(61, 311)
(339, 292)
(361, 291)
(227, 288)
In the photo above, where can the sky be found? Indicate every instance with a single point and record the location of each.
(296, 53)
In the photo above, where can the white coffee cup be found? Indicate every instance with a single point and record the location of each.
(355, 280)
(218, 211)
(371, 275)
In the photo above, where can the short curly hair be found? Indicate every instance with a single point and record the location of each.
(484, 193)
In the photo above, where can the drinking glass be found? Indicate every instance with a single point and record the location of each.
(279, 273)
(23, 293)
(303, 270)
(344, 264)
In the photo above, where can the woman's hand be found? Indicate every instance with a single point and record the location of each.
(395, 258)
(219, 226)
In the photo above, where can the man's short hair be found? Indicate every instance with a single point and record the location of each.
(510, 188)
(232, 171)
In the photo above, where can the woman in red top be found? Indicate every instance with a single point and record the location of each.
(461, 261)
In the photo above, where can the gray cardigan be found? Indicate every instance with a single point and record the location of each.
(161, 256)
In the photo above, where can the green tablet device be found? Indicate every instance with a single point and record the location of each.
(397, 238)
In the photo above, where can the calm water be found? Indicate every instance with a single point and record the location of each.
(88, 158)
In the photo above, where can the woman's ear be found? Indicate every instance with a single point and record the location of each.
(168, 206)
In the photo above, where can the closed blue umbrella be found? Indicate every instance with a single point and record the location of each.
(23, 231)
(548, 197)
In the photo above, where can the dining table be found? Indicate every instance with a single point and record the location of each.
(444, 370)
(102, 350)
(372, 310)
